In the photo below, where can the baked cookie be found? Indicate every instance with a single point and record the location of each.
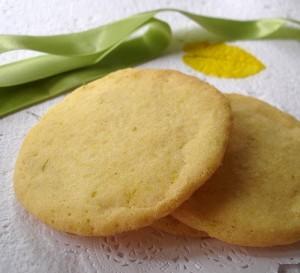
(123, 151)
(254, 198)
(172, 226)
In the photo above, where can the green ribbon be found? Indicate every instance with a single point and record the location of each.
(75, 59)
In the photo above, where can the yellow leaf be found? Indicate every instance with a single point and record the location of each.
(221, 60)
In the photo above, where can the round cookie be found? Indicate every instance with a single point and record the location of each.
(123, 151)
(253, 199)
(172, 226)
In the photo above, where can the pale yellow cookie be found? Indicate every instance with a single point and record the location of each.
(172, 226)
(254, 198)
(123, 151)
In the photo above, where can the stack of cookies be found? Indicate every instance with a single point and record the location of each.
(144, 147)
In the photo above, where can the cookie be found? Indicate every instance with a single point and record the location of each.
(123, 151)
(172, 226)
(254, 198)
